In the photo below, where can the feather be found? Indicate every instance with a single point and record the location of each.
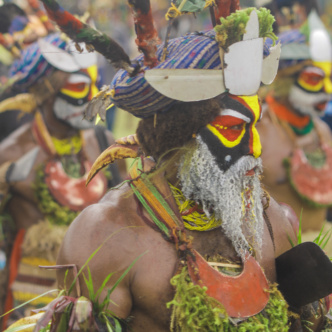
(147, 35)
(36, 8)
(99, 104)
(225, 8)
(81, 32)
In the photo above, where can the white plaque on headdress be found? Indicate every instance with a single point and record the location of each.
(187, 84)
(243, 67)
(270, 64)
(57, 57)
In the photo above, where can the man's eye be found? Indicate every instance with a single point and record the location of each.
(236, 127)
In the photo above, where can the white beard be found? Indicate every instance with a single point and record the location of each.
(234, 197)
(305, 102)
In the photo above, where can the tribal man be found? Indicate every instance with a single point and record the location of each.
(297, 145)
(44, 163)
(190, 242)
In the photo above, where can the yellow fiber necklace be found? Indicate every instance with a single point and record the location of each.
(54, 146)
(65, 146)
(192, 214)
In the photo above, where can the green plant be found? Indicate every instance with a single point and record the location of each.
(101, 308)
(66, 311)
(321, 239)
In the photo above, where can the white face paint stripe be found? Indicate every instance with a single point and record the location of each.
(235, 114)
(314, 70)
(77, 78)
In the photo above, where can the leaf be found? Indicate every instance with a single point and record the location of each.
(290, 241)
(20, 328)
(318, 240)
(108, 325)
(127, 270)
(323, 239)
(63, 320)
(65, 279)
(25, 303)
(103, 286)
(106, 301)
(118, 327)
(328, 238)
(89, 285)
(92, 255)
(299, 234)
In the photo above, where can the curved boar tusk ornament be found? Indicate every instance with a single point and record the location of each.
(114, 152)
(25, 102)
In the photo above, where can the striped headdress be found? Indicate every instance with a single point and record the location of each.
(32, 65)
(137, 96)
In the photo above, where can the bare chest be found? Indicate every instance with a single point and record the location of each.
(152, 288)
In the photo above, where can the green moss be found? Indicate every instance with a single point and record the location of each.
(232, 28)
(54, 212)
(194, 311)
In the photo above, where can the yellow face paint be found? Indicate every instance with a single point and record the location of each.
(84, 89)
(326, 66)
(76, 91)
(232, 134)
(93, 73)
(223, 138)
(253, 103)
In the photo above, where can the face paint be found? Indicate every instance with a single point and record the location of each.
(311, 79)
(312, 89)
(232, 134)
(73, 97)
(326, 66)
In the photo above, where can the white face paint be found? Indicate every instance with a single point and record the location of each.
(306, 103)
(73, 98)
(232, 195)
(312, 89)
(71, 114)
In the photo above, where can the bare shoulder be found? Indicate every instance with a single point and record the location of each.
(282, 225)
(114, 239)
(92, 146)
(324, 131)
(104, 224)
(17, 143)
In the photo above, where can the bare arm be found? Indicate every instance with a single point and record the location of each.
(102, 231)
(11, 149)
(282, 228)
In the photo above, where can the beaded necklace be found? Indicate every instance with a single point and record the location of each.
(192, 213)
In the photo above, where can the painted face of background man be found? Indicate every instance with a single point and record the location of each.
(312, 89)
(232, 134)
(73, 97)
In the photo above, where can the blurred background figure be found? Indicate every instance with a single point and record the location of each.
(297, 152)
(45, 162)
(18, 29)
